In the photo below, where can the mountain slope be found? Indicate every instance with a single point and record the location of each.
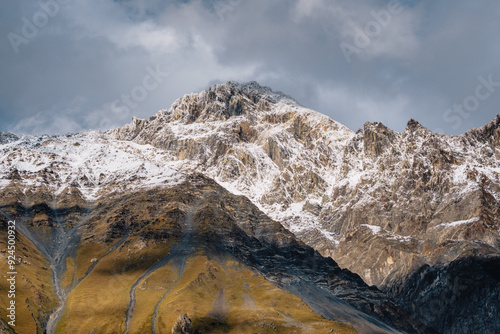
(139, 259)
(405, 211)
(255, 142)
(381, 203)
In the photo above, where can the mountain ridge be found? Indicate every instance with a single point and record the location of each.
(322, 196)
(393, 207)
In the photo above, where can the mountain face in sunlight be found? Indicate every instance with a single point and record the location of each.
(232, 211)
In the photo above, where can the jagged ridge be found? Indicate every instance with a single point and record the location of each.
(381, 203)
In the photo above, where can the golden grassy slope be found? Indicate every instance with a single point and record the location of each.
(224, 297)
(34, 292)
(229, 297)
(220, 296)
(101, 299)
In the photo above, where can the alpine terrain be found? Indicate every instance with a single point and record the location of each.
(237, 210)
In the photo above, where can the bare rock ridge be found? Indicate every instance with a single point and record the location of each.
(414, 214)
(377, 137)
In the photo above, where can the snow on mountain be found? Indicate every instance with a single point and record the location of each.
(89, 162)
(312, 173)
(383, 204)
(254, 142)
(370, 199)
(458, 223)
(317, 177)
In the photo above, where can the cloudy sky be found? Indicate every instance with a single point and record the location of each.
(73, 65)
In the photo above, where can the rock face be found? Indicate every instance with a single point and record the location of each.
(183, 325)
(279, 154)
(381, 203)
(407, 212)
(454, 287)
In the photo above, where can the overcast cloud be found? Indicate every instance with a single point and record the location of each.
(73, 65)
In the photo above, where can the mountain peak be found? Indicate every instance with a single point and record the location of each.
(220, 102)
(7, 137)
(413, 125)
(377, 138)
(395, 208)
(251, 89)
(488, 132)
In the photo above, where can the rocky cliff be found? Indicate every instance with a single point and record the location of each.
(381, 203)
(408, 212)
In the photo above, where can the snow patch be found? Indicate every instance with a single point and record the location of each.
(373, 228)
(458, 223)
(377, 230)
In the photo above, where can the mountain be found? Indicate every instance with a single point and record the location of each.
(383, 204)
(112, 239)
(226, 210)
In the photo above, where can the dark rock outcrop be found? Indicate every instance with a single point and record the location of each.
(183, 325)
(459, 297)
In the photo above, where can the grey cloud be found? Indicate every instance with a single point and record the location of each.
(423, 61)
